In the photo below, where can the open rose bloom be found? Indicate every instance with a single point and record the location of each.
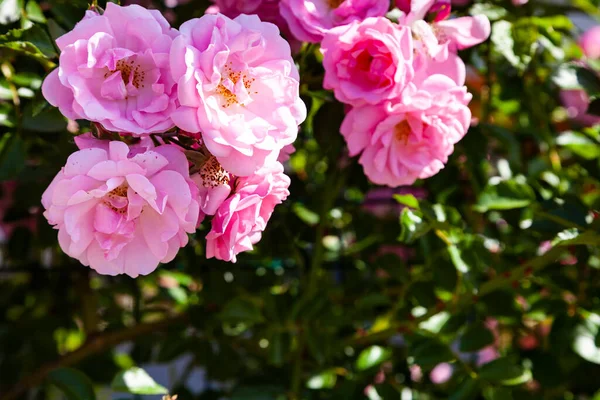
(121, 214)
(238, 85)
(114, 69)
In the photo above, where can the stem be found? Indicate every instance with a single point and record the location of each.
(94, 345)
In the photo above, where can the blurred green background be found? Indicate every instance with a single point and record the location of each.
(482, 282)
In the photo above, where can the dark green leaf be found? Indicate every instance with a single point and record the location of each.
(501, 369)
(12, 156)
(476, 337)
(505, 195)
(73, 383)
(240, 310)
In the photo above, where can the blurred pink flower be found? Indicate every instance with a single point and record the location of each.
(590, 43)
(119, 213)
(113, 69)
(309, 20)
(519, 2)
(239, 86)
(409, 140)
(441, 373)
(368, 61)
(240, 220)
(576, 101)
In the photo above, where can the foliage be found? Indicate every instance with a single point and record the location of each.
(501, 253)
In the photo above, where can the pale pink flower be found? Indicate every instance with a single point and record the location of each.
(240, 220)
(309, 20)
(114, 69)
(368, 61)
(519, 2)
(590, 43)
(576, 102)
(404, 141)
(266, 10)
(119, 213)
(444, 34)
(441, 373)
(238, 85)
(286, 152)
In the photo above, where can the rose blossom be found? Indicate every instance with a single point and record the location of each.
(240, 220)
(404, 141)
(590, 43)
(238, 85)
(119, 213)
(368, 61)
(113, 69)
(266, 10)
(309, 20)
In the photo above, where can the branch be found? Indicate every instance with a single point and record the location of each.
(94, 345)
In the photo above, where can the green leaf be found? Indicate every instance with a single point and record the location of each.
(371, 357)
(412, 226)
(430, 352)
(33, 42)
(73, 383)
(468, 390)
(323, 380)
(12, 156)
(408, 200)
(309, 217)
(505, 195)
(579, 144)
(136, 381)
(492, 393)
(34, 12)
(476, 337)
(572, 237)
(241, 310)
(501, 369)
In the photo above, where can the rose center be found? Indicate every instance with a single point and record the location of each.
(402, 131)
(130, 71)
(213, 174)
(334, 3)
(117, 199)
(233, 76)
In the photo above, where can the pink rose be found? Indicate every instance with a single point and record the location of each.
(404, 141)
(114, 69)
(309, 20)
(441, 373)
(123, 214)
(240, 220)
(238, 85)
(577, 101)
(590, 43)
(368, 61)
(266, 10)
(455, 33)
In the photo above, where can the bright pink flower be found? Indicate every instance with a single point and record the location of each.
(266, 10)
(238, 85)
(309, 20)
(590, 43)
(368, 61)
(404, 141)
(123, 214)
(239, 222)
(114, 69)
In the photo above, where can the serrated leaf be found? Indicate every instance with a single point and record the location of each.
(73, 383)
(136, 381)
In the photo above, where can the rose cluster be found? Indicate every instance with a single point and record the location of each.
(187, 125)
